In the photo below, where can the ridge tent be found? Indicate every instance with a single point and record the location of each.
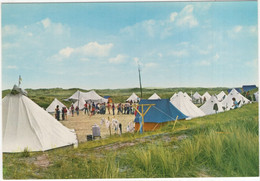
(154, 97)
(27, 126)
(206, 96)
(133, 98)
(212, 106)
(228, 102)
(159, 114)
(186, 106)
(221, 96)
(51, 108)
(90, 96)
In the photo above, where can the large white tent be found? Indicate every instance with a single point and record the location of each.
(133, 98)
(212, 106)
(256, 96)
(51, 108)
(206, 96)
(186, 106)
(90, 96)
(228, 102)
(221, 96)
(81, 103)
(154, 97)
(27, 126)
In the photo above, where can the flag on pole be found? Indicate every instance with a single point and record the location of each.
(20, 80)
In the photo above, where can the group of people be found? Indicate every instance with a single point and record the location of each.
(64, 113)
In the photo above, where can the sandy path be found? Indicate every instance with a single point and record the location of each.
(83, 123)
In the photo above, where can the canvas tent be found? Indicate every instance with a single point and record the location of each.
(221, 96)
(197, 97)
(206, 96)
(212, 106)
(90, 96)
(161, 113)
(133, 98)
(228, 102)
(154, 97)
(51, 108)
(186, 106)
(27, 126)
(81, 103)
(173, 96)
(246, 88)
(256, 96)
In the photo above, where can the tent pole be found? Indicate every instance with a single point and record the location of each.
(139, 70)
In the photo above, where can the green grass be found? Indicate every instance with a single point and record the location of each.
(221, 145)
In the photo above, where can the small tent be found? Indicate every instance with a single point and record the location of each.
(228, 102)
(51, 108)
(221, 96)
(133, 98)
(212, 106)
(206, 96)
(183, 103)
(27, 126)
(154, 97)
(197, 97)
(162, 112)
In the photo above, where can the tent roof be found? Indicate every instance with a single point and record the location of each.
(186, 106)
(207, 95)
(221, 95)
(163, 111)
(154, 97)
(187, 95)
(237, 89)
(248, 87)
(27, 125)
(87, 96)
(196, 95)
(133, 97)
(207, 107)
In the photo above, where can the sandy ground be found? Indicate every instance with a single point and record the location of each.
(82, 123)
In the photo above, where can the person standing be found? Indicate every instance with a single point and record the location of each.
(86, 108)
(120, 128)
(63, 113)
(57, 112)
(113, 108)
(72, 110)
(77, 110)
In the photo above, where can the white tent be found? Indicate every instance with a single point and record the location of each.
(197, 97)
(228, 102)
(256, 96)
(154, 97)
(221, 96)
(27, 125)
(90, 96)
(51, 108)
(186, 95)
(210, 106)
(186, 106)
(133, 98)
(206, 96)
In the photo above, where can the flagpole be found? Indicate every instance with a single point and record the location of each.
(140, 81)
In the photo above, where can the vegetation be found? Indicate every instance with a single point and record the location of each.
(220, 145)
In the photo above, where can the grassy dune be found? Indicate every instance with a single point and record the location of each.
(221, 145)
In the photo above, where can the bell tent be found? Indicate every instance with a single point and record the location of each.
(159, 114)
(51, 108)
(186, 106)
(206, 96)
(187, 96)
(197, 97)
(228, 102)
(212, 106)
(27, 126)
(221, 96)
(154, 97)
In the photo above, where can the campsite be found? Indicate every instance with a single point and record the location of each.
(190, 148)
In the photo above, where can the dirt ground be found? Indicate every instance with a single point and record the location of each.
(83, 123)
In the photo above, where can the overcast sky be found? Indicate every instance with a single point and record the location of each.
(98, 45)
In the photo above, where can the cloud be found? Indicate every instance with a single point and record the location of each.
(238, 29)
(46, 23)
(186, 17)
(83, 53)
(9, 30)
(180, 53)
(150, 65)
(11, 67)
(118, 59)
(173, 16)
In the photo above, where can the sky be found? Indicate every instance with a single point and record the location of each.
(100, 45)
